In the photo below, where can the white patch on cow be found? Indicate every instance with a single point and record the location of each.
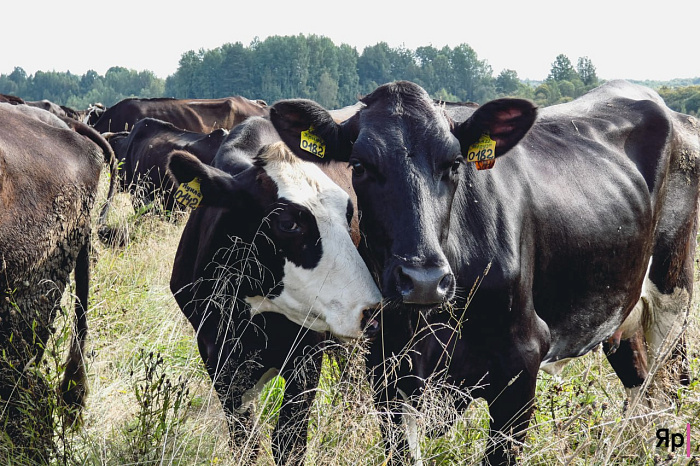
(663, 319)
(662, 316)
(409, 419)
(333, 295)
(554, 368)
(634, 320)
(253, 393)
(411, 425)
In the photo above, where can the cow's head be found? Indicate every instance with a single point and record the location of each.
(407, 158)
(308, 267)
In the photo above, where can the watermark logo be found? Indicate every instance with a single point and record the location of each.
(675, 440)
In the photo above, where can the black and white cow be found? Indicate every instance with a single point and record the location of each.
(265, 267)
(582, 233)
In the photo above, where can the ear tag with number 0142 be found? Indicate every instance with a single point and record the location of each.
(312, 143)
(189, 194)
(483, 152)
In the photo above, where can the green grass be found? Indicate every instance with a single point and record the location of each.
(136, 327)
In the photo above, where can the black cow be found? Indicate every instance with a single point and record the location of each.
(49, 176)
(143, 154)
(266, 265)
(586, 229)
(199, 115)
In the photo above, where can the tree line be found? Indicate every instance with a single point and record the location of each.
(313, 67)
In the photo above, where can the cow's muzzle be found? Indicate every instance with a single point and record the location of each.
(424, 285)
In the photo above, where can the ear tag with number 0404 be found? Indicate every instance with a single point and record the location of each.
(312, 143)
(483, 152)
(189, 194)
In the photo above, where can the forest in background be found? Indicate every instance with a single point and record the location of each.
(313, 67)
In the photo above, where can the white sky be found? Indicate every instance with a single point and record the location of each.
(623, 39)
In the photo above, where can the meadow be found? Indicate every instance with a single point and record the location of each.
(151, 400)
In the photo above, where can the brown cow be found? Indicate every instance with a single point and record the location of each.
(49, 175)
(199, 115)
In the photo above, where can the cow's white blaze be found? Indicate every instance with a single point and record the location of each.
(333, 295)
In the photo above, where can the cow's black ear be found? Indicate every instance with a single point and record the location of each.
(217, 188)
(310, 131)
(506, 121)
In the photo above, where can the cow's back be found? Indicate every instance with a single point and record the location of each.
(48, 181)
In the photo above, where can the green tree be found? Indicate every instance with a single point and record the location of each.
(562, 70)
(182, 84)
(472, 78)
(692, 104)
(567, 89)
(587, 71)
(89, 81)
(374, 66)
(348, 78)
(235, 76)
(327, 91)
(507, 83)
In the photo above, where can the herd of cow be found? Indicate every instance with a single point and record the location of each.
(575, 227)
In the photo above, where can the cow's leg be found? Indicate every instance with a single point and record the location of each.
(628, 357)
(234, 376)
(511, 404)
(394, 434)
(385, 374)
(651, 338)
(669, 287)
(512, 381)
(25, 399)
(301, 380)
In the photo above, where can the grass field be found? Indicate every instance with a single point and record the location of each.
(151, 401)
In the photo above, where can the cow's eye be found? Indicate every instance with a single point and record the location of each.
(289, 226)
(357, 168)
(456, 164)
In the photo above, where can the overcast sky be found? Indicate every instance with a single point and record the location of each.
(623, 39)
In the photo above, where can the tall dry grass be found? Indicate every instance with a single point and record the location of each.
(143, 361)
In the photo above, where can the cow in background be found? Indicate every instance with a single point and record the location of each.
(48, 183)
(582, 233)
(198, 115)
(143, 155)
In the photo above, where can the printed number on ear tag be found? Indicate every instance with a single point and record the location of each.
(312, 143)
(483, 152)
(189, 194)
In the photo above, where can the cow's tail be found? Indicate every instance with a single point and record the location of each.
(73, 388)
(108, 234)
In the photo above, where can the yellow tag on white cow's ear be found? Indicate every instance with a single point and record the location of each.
(189, 194)
(483, 152)
(312, 143)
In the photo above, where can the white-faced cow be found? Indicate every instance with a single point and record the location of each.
(143, 153)
(265, 267)
(49, 174)
(200, 115)
(586, 225)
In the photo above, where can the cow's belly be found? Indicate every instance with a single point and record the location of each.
(595, 318)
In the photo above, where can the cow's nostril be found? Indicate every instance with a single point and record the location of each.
(370, 324)
(404, 282)
(446, 283)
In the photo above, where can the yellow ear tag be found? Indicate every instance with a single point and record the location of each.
(189, 194)
(312, 143)
(483, 152)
